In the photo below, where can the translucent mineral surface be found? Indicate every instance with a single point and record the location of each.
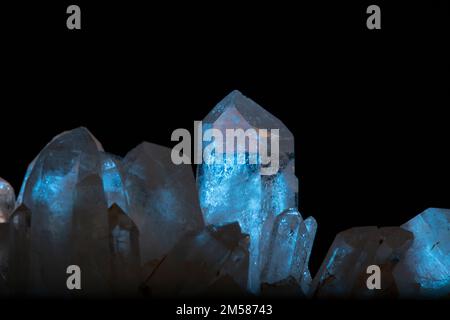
(289, 249)
(67, 190)
(343, 273)
(113, 181)
(199, 261)
(4, 248)
(163, 199)
(7, 200)
(125, 258)
(425, 269)
(237, 191)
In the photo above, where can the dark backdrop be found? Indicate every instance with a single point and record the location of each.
(367, 108)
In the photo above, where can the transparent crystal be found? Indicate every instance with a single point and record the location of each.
(4, 249)
(68, 188)
(114, 181)
(237, 191)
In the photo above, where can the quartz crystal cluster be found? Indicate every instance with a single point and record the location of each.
(143, 226)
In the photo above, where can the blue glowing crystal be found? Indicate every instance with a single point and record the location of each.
(68, 189)
(113, 181)
(7, 200)
(235, 190)
(424, 271)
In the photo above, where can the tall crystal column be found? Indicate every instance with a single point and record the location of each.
(235, 190)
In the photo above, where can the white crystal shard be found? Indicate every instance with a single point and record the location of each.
(237, 191)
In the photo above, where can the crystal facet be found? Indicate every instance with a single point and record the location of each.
(425, 269)
(343, 273)
(236, 190)
(163, 199)
(199, 260)
(7, 200)
(67, 189)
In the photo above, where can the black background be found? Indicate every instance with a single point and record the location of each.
(367, 107)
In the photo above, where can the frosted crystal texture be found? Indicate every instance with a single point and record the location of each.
(425, 269)
(343, 273)
(289, 249)
(200, 260)
(7, 200)
(230, 191)
(163, 199)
